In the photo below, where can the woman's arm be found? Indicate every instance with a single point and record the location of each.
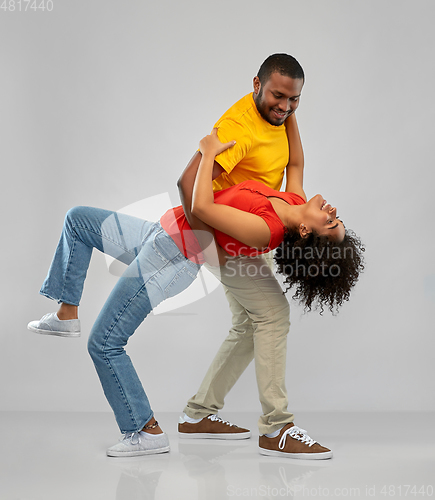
(185, 187)
(212, 253)
(248, 228)
(295, 166)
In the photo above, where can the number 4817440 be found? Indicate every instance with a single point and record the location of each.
(27, 5)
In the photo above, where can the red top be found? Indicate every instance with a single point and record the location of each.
(249, 196)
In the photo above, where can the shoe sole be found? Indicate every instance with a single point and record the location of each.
(205, 435)
(301, 456)
(137, 453)
(51, 332)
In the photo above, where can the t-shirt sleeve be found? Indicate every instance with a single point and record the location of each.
(230, 130)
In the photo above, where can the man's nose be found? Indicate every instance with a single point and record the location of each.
(284, 104)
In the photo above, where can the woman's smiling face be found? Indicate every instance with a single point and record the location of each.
(321, 217)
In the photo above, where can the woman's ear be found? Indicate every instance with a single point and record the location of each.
(303, 230)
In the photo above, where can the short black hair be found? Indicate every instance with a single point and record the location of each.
(280, 63)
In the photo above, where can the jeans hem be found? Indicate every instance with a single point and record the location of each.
(59, 301)
(140, 428)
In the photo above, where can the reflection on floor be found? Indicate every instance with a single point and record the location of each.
(61, 456)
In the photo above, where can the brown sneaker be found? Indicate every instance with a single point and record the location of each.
(211, 427)
(293, 442)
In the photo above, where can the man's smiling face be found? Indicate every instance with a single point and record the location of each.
(278, 98)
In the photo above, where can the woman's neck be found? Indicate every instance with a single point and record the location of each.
(290, 215)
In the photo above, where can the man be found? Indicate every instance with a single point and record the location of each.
(264, 126)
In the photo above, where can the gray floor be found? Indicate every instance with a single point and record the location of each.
(61, 456)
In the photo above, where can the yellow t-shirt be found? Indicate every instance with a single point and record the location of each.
(261, 152)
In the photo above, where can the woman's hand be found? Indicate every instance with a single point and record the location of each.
(211, 144)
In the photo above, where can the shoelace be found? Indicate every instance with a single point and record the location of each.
(133, 437)
(296, 432)
(217, 418)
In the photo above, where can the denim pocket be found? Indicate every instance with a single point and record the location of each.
(164, 246)
(180, 281)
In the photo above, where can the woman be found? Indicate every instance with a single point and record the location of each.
(163, 259)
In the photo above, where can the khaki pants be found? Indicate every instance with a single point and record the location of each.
(260, 326)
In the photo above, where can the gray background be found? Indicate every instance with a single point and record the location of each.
(103, 103)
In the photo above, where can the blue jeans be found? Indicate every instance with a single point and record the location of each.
(156, 270)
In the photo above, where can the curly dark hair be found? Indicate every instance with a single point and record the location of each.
(321, 271)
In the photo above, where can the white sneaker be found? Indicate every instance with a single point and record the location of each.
(134, 444)
(50, 324)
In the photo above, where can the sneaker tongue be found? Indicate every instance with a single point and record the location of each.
(288, 426)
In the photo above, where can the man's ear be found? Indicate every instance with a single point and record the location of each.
(303, 230)
(257, 85)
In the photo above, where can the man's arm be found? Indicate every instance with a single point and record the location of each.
(295, 166)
